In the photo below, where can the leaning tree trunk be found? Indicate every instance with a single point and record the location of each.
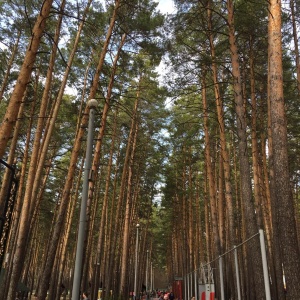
(96, 275)
(30, 198)
(12, 111)
(9, 66)
(74, 156)
(100, 137)
(11, 155)
(284, 204)
(25, 219)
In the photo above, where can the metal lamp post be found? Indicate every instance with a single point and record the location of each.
(136, 260)
(147, 274)
(92, 104)
(151, 278)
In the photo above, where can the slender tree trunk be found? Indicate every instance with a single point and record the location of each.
(284, 204)
(29, 199)
(103, 219)
(65, 237)
(12, 111)
(25, 220)
(17, 211)
(97, 151)
(75, 152)
(9, 66)
(277, 259)
(11, 156)
(296, 45)
(246, 190)
(210, 173)
(207, 224)
(111, 230)
(127, 170)
(255, 150)
(223, 142)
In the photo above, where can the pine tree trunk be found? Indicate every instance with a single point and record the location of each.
(210, 173)
(246, 190)
(128, 169)
(75, 152)
(100, 137)
(296, 45)
(103, 219)
(255, 150)
(9, 66)
(277, 259)
(25, 220)
(30, 198)
(223, 142)
(12, 111)
(108, 260)
(284, 204)
(65, 236)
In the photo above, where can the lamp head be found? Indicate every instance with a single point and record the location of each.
(93, 103)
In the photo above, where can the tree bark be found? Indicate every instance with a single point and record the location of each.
(74, 156)
(284, 204)
(12, 110)
(9, 66)
(209, 170)
(246, 190)
(127, 170)
(223, 142)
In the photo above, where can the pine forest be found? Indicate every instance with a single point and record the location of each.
(142, 150)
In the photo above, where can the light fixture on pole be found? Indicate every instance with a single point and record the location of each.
(136, 261)
(92, 104)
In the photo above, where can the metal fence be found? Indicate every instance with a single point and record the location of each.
(191, 280)
(8, 191)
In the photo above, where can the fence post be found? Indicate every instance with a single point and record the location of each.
(265, 265)
(196, 285)
(221, 278)
(237, 273)
(188, 282)
(185, 287)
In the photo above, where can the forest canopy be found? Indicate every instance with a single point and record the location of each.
(191, 150)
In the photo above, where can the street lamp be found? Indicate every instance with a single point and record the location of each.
(136, 259)
(92, 104)
(151, 278)
(147, 274)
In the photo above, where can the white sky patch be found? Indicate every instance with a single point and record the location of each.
(166, 6)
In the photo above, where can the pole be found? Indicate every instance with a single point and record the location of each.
(151, 280)
(188, 286)
(221, 278)
(265, 265)
(147, 274)
(238, 286)
(191, 285)
(136, 259)
(196, 285)
(92, 104)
